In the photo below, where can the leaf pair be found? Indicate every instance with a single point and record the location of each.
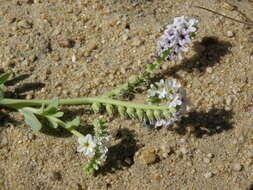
(50, 113)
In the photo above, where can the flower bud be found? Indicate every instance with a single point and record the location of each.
(150, 115)
(167, 114)
(140, 114)
(131, 112)
(157, 114)
(122, 111)
(110, 109)
(96, 107)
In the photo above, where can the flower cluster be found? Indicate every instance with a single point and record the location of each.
(95, 147)
(175, 96)
(176, 37)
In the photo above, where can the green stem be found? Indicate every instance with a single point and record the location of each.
(63, 125)
(144, 76)
(17, 103)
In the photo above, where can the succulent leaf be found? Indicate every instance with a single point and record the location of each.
(140, 114)
(131, 112)
(122, 111)
(96, 107)
(150, 115)
(110, 109)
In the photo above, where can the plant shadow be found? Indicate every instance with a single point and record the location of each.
(208, 53)
(17, 79)
(19, 90)
(120, 155)
(251, 187)
(28, 87)
(206, 123)
(6, 120)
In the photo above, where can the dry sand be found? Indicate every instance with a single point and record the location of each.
(71, 48)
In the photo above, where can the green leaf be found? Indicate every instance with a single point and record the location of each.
(52, 107)
(31, 120)
(52, 123)
(173, 110)
(1, 94)
(41, 109)
(58, 114)
(154, 100)
(4, 77)
(74, 123)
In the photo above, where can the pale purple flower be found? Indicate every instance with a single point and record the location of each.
(173, 84)
(176, 37)
(184, 38)
(176, 101)
(167, 122)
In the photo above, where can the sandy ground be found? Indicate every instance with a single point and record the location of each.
(72, 48)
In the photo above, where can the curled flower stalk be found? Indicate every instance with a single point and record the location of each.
(99, 104)
(95, 147)
(174, 96)
(174, 41)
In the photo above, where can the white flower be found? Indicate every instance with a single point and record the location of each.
(173, 84)
(191, 25)
(163, 93)
(152, 92)
(170, 91)
(104, 140)
(160, 83)
(178, 21)
(164, 89)
(176, 101)
(87, 145)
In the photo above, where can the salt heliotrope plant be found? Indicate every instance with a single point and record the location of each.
(166, 99)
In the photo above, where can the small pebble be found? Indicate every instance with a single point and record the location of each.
(31, 136)
(125, 37)
(184, 150)
(3, 142)
(206, 160)
(25, 24)
(230, 34)
(182, 141)
(229, 6)
(29, 96)
(55, 176)
(137, 42)
(250, 154)
(237, 167)
(66, 43)
(29, 1)
(147, 157)
(210, 155)
(128, 161)
(73, 58)
(208, 175)
(165, 150)
(229, 100)
(157, 176)
(209, 69)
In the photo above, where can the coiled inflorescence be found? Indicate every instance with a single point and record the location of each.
(141, 112)
(176, 37)
(157, 113)
(171, 92)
